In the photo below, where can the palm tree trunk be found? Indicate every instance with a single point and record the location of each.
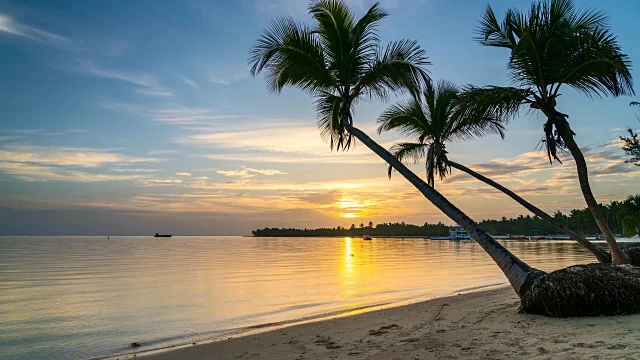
(564, 130)
(618, 257)
(600, 254)
(519, 274)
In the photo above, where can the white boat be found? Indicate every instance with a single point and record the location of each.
(456, 232)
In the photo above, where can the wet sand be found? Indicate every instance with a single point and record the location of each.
(481, 325)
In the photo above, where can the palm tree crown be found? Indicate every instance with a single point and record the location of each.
(551, 45)
(432, 121)
(339, 61)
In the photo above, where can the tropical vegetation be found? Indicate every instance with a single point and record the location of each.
(623, 217)
(631, 144)
(339, 61)
(551, 45)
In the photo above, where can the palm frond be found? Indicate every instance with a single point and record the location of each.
(399, 67)
(328, 114)
(365, 38)
(289, 54)
(492, 33)
(492, 102)
(406, 117)
(334, 22)
(408, 153)
(595, 65)
(473, 127)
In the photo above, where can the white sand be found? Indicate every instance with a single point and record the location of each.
(483, 325)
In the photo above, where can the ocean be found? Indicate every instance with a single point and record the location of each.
(87, 297)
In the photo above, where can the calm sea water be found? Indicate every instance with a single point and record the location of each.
(84, 297)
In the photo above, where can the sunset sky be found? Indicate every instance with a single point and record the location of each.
(136, 117)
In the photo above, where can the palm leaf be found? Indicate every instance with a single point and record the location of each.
(407, 152)
(289, 54)
(399, 67)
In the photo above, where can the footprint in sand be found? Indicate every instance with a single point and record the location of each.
(327, 342)
(383, 330)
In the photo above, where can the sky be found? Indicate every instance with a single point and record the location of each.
(136, 117)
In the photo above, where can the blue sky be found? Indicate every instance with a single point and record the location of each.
(133, 117)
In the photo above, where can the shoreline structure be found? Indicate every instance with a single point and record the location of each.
(474, 324)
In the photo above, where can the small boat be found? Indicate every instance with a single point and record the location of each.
(367, 237)
(162, 235)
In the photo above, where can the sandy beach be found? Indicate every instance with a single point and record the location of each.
(474, 325)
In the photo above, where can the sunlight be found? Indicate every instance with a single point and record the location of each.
(350, 207)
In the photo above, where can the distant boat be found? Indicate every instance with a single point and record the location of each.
(367, 237)
(456, 232)
(162, 235)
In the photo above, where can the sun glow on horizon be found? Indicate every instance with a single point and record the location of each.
(349, 215)
(351, 208)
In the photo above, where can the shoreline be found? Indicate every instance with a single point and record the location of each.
(268, 327)
(475, 324)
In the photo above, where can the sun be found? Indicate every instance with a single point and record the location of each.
(350, 208)
(349, 215)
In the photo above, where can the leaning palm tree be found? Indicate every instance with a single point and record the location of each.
(551, 45)
(437, 119)
(339, 62)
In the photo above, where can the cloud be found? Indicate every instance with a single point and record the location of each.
(160, 182)
(180, 115)
(266, 171)
(154, 92)
(184, 173)
(239, 173)
(149, 84)
(68, 164)
(32, 134)
(140, 79)
(219, 81)
(189, 82)
(227, 80)
(60, 156)
(34, 172)
(246, 173)
(162, 152)
(276, 142)
(13, 27)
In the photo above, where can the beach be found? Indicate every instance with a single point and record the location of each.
(475, 325)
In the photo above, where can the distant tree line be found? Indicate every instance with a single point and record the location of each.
(623, 217)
